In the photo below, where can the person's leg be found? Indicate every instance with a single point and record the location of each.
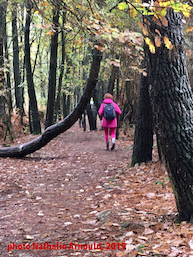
(106, 137)
(113, 136)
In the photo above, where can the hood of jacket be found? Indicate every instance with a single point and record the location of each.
(108, 101)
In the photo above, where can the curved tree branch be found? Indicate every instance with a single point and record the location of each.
(56, 129)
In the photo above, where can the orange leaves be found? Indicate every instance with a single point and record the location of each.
(100, 48)
(144, 28)
(160, 20)
(158, 41)
(50, 33)
(189, 29)
(44, 4)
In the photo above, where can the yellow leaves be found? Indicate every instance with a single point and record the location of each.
(122, 6)
(168, 43)
(50, 33)
(133, 12)
(150, 44)
(165, 4)
(158, 43)
(186, 10)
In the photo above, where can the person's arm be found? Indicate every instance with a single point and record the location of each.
(101, 110)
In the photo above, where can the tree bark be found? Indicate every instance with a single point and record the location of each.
(57, 103)
(112, 79)
(8, 79)
(31, 88)
(143, 139)
(56, 129)
(91, 117)
(173, 108)
(2, 75)
(52, 72)
(16, 65)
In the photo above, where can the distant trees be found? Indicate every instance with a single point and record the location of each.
(56, 129)
(49, 49)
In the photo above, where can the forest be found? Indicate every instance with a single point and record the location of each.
(57, 61)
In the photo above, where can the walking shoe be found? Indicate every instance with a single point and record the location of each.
(113, 147)
(107, 144)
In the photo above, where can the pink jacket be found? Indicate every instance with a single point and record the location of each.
(109, 123)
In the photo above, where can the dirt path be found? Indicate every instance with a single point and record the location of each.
(74, 194)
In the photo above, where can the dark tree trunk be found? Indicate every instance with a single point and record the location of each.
(16, 65)
(31, 88)
(91, 118)
(8, 79)
(2, 75)
(57, 104)
(54, 130)
(96, 98)
(173, 108)
(42, 82)
(112, 78)
(52, 72)
(143, 140)
(89, 112)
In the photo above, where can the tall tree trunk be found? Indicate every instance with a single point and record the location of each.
(56, 129)
(143, 140)
(112, 78)
(8, 79)
(31, 88)
(173, 108)
(96, 97)
(57, 103)
(16, 64)
(52, 72)
(2, 75)
(91, 118)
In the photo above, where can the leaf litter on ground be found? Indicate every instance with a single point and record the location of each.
(73, 191)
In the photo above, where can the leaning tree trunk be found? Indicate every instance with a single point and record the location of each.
(143, 140)
(173, 108)
(56, 129)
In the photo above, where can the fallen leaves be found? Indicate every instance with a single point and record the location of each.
(112, 202)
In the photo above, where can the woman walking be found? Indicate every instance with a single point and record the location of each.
(109, 110)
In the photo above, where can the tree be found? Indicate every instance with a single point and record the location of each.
(143, 139)
(173, 109)
(53, 67)
(16, 64)
(58, 98)
(31, 88)
(56, 129)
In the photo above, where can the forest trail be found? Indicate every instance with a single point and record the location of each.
(74, 194)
